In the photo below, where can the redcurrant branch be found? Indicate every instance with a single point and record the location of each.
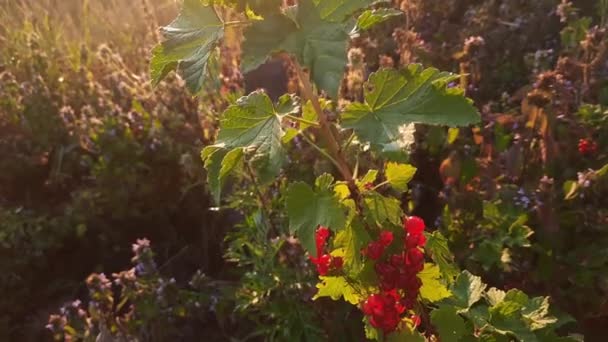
(332, 141)
(328, 136)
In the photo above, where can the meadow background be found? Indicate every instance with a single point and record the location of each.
(92, 158)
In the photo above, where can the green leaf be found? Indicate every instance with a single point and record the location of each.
(570, 189)
(495, 296)
(479, 315)
(190, 42)
(399, 175)
(310, 114)
(405, 335)
(467, 290)
(318, 44)
(603, 171)
(250, 127)
(351, 239)
(213, 156)
(340, 10)
(255, 125)
(336, 288)
(308, 208)
(453, 133)
(437, 247)
(394, 98)
(371, 18)
(537, 313)
(507, 319)
(369, 178)
(220, 164)
(449, 324)
(380, 209)
(371, 333)
(432, 290)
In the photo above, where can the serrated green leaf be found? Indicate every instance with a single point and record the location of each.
(220, 163)
(250, 127)
(255, 125)
(432, 290)
(394, 98)
(506, 318)
(479, 315)
(494, 296)
(340, 10)
(371, 333)
(467, 290)
(308, 208)
(404, 335)
(324, 182)
(351, 239)
(437, 247)
(399, 175)
(190, 42)
(369, 178)
(380, 209)
(336, 288)
(449, 324)
(318, 44)
(536, 312)
(213, 157)
(371, 18)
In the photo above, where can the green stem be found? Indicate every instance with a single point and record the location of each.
(349, 141)
(302, 120)
(380, 185)
(319, 149)
(236, 23)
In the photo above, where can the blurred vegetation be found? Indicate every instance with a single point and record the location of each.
(93, 158)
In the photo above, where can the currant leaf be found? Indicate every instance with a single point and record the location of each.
(351, 239)
(318, 44)
(340, 10)
(394, 98)
(219, 164)
(379, 209)
(371, 18)
(467, 290)
(449, 324)
(432, 290)
(189, 45)
(336, 288)
(307, 208)
(437, 247)
(250, 127)
(405, 335)
(399, 175)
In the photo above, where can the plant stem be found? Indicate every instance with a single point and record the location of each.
(333, 143)
(302, 120)
(236, 23)
(328, 136)
(316, 147)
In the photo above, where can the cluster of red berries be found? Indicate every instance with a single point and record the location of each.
(398, 275)
(587, 146)
(324, 261)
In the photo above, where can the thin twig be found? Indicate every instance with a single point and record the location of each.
(319, 149)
